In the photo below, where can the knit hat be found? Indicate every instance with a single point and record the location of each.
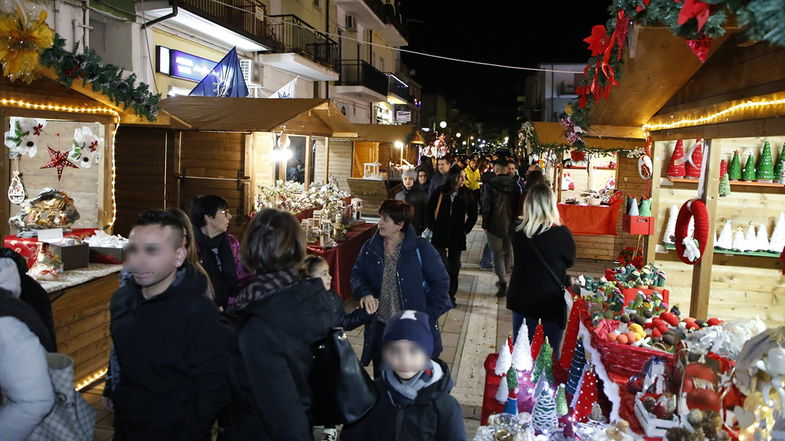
(410, 325)
(9, 276)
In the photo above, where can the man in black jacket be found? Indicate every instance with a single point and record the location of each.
(500, 199)
(171, 346)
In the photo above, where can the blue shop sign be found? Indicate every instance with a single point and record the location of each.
(182, 64)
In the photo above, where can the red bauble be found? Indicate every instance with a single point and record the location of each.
(677, 169)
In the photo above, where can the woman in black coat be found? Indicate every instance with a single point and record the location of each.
(279, 319)
(543, 249)
(451, 214)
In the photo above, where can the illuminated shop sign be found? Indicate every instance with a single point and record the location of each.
(182, 64)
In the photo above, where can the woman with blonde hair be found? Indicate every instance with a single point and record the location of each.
(543, 249)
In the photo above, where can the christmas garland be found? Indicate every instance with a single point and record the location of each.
(698, 22)
(527, 139)
(105, 78)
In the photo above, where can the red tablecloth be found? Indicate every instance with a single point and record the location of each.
(29, 247)
(584, 220)
(341, 258)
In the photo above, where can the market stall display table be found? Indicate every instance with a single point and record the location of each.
(28, 247)
(586, 220)
(342, 257)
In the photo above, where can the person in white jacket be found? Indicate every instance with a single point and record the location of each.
(25, 385)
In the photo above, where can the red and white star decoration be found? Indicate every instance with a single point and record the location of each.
(58, 161)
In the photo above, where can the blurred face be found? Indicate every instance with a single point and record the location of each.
(405, 358)
(422, 177)
(511, 168)
(461, 180)
(444, 166)
(220, 223)
(388, 228)
(153, 257)
(322, 271)
(473, 163)
(408, 182)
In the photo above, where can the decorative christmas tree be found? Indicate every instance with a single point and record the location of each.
(777, 242)
(670, 228)
(677, 169)
(724, 189)
(632, 209)
(734, 169)
(544, 363)
(762, 238)
(765, 167)
(748, 174)
(545, 418)
(645, 209)
(583, 401)
(570, 337)
(561, 402)
(696, 161)
(503, 391)
(522, 351)
(504, 361)
(576, 368)
(750, 239)
(725, 241)
(739, 242)
(537, 340)
(778, 164)
(511, 406)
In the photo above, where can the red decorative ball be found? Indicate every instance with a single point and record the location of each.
(577, 155)
(694, 208)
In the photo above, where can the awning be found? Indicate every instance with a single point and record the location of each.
(299, 116)
(383, 132)
(603, 137)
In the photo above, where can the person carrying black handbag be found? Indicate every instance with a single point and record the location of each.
(543, 250)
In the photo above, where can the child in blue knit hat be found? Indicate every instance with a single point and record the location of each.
(414, 391)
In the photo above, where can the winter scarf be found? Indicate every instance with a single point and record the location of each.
(263, 286)
(219, 266)
(405, 391)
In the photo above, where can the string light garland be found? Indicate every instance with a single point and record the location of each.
(92, 378)
(10, 102)
(714, 117)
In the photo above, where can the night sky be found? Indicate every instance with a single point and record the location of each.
(519, 33)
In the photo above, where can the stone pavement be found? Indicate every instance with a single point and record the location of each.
(470, 331)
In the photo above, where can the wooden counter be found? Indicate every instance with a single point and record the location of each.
(80, 306)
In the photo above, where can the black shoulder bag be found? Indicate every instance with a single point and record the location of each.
(342, 392)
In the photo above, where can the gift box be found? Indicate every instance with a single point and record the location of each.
(106, 255)
(642, 225)
(28, 247)
(73, 256)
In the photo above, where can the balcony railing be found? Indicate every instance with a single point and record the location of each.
(398, 88)
(291, 34)
(244, 16)
(388, 14)
(360, 73)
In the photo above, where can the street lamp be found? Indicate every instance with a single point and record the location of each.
(458, 135)
(443, 124)
(398, 144)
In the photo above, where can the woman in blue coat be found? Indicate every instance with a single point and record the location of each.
(395, 271)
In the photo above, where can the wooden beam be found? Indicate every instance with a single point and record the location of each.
(701, 275)
(659, 151)
(607, 131)
(308, 162)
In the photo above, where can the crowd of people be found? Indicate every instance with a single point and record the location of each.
(209, 333)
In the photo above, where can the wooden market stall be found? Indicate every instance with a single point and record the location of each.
(225, 146)
(734, 101)
(379, 153)
(603, 238)
(65, 117)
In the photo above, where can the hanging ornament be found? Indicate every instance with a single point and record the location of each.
(23, 136)
(22, 39)
(700, 47)
(16, 191)
(644, 167)
(58, 161)
(85, 148)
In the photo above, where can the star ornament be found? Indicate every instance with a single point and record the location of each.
(58, 161)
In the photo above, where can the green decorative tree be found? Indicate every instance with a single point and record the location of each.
(544, 363)
(512, 379)
(765, 167)
(779, 163)
(734, 169)
(748, 174)
(724, 185)
(544, 414)
(561, 402)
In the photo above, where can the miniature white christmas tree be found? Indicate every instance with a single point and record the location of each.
(522, 352)
(725, 241)
(503, 391)
(504, 361)
(670, 228)
(777, 242)
(751, 238)
(739, 242)
(632, 210)
(762, 238)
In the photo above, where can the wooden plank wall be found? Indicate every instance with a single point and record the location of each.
(364, 152)
(340, 164)
(741, 286)
(81, 321)
(630, 182)
(320, 160)
(144, 159)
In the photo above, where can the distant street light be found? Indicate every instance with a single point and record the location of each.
(398, 144)
(458, 135)
(443, 124)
